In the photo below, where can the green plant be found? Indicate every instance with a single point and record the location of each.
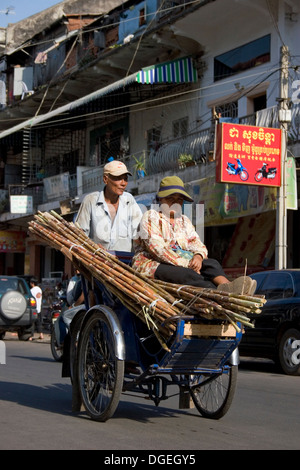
(184, 159)
(140, 163)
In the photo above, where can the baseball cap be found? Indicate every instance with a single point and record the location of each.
(115, 168)
(173, 185)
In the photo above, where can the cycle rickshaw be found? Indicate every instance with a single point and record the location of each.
(108, 341)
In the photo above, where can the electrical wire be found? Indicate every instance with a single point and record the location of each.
(153, 102)
(92, 115)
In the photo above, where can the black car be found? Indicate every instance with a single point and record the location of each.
(17, 307)
(277, 329)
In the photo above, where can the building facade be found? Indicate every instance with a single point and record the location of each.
(146, 82)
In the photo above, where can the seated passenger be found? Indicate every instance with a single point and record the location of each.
(169, 248)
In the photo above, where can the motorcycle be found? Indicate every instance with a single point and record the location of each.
(240, 170)
(56, 311)
(265, 172)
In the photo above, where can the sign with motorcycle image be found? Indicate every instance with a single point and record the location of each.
(248, 155)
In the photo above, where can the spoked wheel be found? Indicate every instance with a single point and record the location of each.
(100, 372)
(213, 393)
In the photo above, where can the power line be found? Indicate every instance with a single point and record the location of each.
(151, 102)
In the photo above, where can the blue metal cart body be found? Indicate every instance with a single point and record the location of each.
(117, 353)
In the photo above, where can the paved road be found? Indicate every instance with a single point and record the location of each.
(35, 412)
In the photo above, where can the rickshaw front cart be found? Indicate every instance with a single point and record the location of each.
(118, 353)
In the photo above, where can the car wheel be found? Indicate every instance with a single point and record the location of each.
(13, 305)
(288, 355)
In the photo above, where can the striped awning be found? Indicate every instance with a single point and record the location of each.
(176, 71)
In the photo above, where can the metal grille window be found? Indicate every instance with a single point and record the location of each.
(70, 161)
(228, 110)
(180, 127)
(153, 138)
(109, 145)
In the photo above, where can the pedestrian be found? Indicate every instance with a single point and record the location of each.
(169, 248)
(111, 217)
(37, 293)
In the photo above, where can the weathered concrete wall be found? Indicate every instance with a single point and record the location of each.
(19, 33)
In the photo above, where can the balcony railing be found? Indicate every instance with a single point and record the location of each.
(162, 160)
(196, 144)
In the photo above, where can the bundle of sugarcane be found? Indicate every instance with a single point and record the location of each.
(151, 303)
(157, 303)
(212, 304)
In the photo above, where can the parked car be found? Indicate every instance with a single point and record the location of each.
(17, 307)
(278, 326)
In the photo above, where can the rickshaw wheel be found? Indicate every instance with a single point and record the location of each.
(100, 372)
(213, 394)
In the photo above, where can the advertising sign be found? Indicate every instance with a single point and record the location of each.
(248, 155)
(12, 242)
(57, 186)
(21, 204)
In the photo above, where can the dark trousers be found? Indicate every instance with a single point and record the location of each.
(211, 268)
(38, 325)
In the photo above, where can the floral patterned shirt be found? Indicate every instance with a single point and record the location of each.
(161, 241)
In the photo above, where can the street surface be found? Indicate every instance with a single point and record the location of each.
(35, 412)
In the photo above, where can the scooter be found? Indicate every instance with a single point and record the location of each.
(265, 172)
(239, 170)
(56, 311)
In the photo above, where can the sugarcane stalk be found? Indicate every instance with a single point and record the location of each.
(161, 300)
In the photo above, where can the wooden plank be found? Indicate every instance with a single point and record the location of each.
(198, 329)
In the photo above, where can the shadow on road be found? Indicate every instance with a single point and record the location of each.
(258, 365)
(34, 358)
(55, 398)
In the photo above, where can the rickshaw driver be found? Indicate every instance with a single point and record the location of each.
(111, 217)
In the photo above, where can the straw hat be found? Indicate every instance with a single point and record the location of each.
(172, 185)
(116, 168)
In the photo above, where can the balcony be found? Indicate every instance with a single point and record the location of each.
(196, 144)
(164, 159)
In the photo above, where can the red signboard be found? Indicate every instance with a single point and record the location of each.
(248, 155)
